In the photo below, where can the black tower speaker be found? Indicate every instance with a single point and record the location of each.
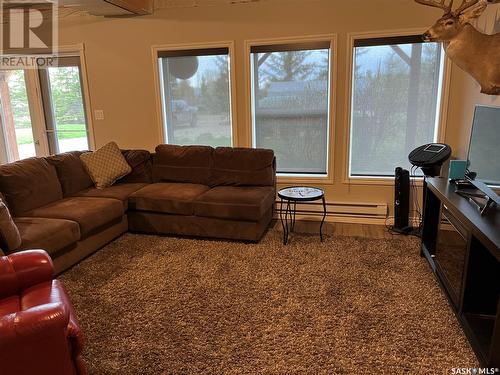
(401, 200)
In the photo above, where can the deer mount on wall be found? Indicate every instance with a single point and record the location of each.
(476, 53)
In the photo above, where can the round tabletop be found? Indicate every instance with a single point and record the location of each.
(301, 193)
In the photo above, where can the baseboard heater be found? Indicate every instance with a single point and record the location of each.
(340, 211)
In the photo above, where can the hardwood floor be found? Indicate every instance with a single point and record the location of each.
(341, 229)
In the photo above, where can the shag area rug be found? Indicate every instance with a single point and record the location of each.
(162, 305)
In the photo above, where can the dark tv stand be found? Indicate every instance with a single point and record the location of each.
(463, 249)
(484, 207)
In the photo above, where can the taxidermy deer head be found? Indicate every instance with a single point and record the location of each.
(476, 53)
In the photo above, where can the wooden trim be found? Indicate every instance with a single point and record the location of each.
(441, 116)
(445, 98)
(87, 99)
(70, 49)
(140, 7)
(157, 85)
(332, 39)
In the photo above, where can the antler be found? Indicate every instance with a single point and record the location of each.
(441, 4)
(466, 4)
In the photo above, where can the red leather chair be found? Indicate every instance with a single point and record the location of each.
(39, 333)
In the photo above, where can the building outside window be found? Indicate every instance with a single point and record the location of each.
(290, 104)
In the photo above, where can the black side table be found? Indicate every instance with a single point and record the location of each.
(290, 196)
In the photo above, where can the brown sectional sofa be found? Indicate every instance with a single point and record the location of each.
(198, 191)
(180, 190)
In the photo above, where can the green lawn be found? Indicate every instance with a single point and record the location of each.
(204, 139)
(64, 131)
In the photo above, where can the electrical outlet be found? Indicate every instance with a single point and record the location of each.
(99, 114)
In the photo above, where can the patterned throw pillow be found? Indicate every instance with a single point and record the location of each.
(10, 239)
(106, 165)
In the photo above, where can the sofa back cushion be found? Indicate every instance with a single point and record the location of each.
(71, 172)
(189, 164)
(28, 184)
(243, 167)
(10, 239)
(3, 199)
(142, 167)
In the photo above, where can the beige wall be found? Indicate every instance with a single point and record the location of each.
(120, 69)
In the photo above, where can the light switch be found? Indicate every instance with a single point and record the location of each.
(99, 114)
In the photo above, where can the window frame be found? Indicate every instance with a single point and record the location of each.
(294, 178)
(442, 112)
(158, 84)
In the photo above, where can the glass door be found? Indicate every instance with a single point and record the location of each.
(18, 138)
(64, 106)
(42, 111)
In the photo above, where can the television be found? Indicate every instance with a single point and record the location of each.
(484, 154)
(484, 146)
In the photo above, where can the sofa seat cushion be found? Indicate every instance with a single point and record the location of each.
(92, 214)
(235, 203)
(119, 191)
(170, 198)
(51, 235)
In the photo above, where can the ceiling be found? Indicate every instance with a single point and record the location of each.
(110, 8)
(124, 8)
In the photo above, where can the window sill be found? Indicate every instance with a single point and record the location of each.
(379, 181)
(296, 179)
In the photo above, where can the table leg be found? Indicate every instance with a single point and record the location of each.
(288, 222)
(284, 222)
(322, 220)
(293, 219)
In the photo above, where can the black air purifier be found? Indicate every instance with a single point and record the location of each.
(401, 200)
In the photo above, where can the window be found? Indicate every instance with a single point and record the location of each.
(66, 124)
(396, 90)
(195, 92)
(290, 104)
(63, 125)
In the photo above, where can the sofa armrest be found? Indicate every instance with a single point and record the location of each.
(35, 341)
(31, 267)
(33, 324)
